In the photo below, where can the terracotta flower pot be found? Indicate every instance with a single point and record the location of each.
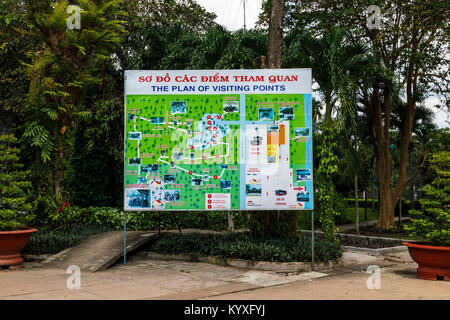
(433, 261)
(11, 243)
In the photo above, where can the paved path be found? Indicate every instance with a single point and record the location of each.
(100, 251)
(144, 278)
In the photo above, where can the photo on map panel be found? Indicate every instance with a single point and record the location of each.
(274, 128)
(141, 180)
(131, 116)
(265, 114)
(253, 190)
(303, 174)
(286, 113)
(156, 120)
(303, 196)
(134, 161)
(169, 178)
(225, 184)
(271, 159)
(177, 156)
(134, 135)
(197, 182)
(301, 132)
(172, 195)
(137, 198)
(178, 107)
(230, 106)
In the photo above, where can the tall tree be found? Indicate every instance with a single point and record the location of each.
(62, 70)
(409, 48)
(275, 48)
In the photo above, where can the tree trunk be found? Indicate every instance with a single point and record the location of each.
(275, 48)
(386, 205)
(328, 108)
(365, 204)
(230, 221)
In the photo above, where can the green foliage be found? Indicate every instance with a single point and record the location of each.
(64, 68)
(46, 241)
(326, 192)
(243, 246)
(14, 187)
(14, 44)
(67, 217)
(279, 224)
(432, 222)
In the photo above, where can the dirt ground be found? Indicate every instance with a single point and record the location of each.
(144, 278)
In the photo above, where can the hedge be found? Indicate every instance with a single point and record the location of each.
(241, 246)
(46, 241)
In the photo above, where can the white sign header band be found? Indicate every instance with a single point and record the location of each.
(258, 81)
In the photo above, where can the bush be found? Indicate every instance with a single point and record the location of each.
(46, 241)
(14, 186)
(432, 223)
(136, 220)
(243, 246)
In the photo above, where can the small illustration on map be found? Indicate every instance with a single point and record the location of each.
(301, 132)
(225, 184)
(178, 107)
(265, 114)
(131, 116)
(287, 113)
(253, 190)
(274, 128)
(256, 140)
(197, 182)
(303, 174)
(156, 120)
(177, 156)
(230, 106)
(134, 161)
(169, 178)
(137, 198)
(172, 195)
(303, 196)
(142, 180)
(134, 135)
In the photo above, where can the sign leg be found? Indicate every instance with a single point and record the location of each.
(312, 240)
(125, 237)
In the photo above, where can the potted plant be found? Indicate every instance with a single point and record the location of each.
(14, 209)
(432, 224)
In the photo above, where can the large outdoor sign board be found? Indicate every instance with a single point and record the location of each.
(218, 140)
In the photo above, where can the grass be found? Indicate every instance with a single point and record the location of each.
(349, 215)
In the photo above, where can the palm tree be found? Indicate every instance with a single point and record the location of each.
(333, 61)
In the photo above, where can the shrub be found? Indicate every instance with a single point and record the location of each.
(14, 187)
(46, 241)
(242, 246)
(136, 220)
(432, 223)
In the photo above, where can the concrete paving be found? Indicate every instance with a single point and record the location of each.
(100, 251)
(144, 278)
